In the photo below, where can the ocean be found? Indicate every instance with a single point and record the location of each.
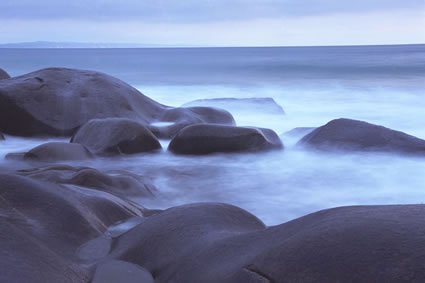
(384, 85)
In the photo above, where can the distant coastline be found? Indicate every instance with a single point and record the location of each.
(52, 44)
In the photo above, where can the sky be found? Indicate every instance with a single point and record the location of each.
(215, 22)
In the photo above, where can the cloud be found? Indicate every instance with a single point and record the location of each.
(191, 11)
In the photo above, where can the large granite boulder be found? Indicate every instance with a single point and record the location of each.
(251, 105)
(119, 183)
(57, 101)
(43, 224)
(116, 136)
(353, 135)
(221, 243)
(58, 151)
(178, 118)
(4, 75)
(212, 138)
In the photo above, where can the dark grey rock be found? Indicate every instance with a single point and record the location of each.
(4, 75)
(353, 135)
(211, 138)
(182, 117)
(113, 136)
(117, 271)
(43, 224)
(221, 243)
(251, 105)
(57, 101)
(119, 183)
(58, 151)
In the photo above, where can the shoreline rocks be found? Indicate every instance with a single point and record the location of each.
(201, 139)
(353, 135)
(182, 117)
(114, 136)
(57, 101)
(218, 243)
(4, 75)
(57, 151)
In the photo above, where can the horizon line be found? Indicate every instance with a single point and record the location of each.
(21, 45)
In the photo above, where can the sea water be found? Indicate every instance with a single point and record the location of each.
(380, 84)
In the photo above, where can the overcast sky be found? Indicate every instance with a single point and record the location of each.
(215, 22)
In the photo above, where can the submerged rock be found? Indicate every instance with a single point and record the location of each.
(211, 138)
(221, 243)
(43, 224)
(116, 136)
(353, 135)
(119, 183)
(57, 101)
(252, 105)
(58, 151)
(182, 117)
(4, 75)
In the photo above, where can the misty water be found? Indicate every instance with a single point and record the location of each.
(379, 84)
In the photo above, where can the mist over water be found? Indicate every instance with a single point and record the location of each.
(381, 85)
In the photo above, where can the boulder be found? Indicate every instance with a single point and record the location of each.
(251, 105)
(57, 101)
(117, 271)
(43, 224)
(182, 117)
(221, 243)
(212, 138)
(4, 75)
(118, 183)
(113, 136)
(352, 135)
(58, 151)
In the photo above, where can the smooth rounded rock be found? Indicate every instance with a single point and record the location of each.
(4, 75)
(57, 101)
(58, 151)
(219, 243)
(182, 117)
(116, 136)
(119, 183)
(353, 135)
(43, 224)
(211, 138)
(117, 271)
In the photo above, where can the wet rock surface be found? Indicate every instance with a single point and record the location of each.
(221, 243)
(353, 135)
(57, 101)
(4, 75)
(58, 151)
(116, 182)
(210, 138)
(114, 136)
(182, 117)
